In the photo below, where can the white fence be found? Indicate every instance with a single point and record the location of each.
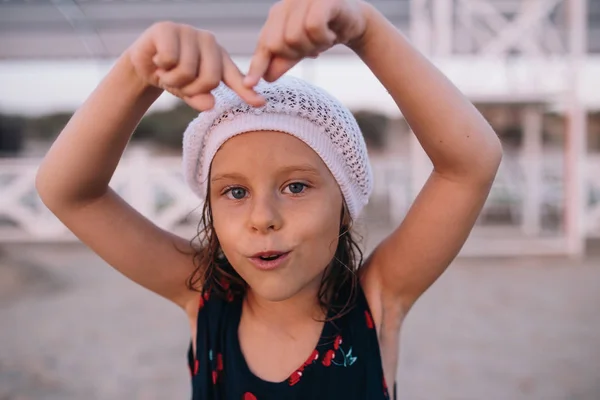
(154, 186)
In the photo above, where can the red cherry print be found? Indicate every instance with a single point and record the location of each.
(313, 357)
(215, 375)
(196, 366)
(219, 362)
(337, 341)
(386, 393)
(201, 303)
(206, 295)
(328, 357)
(229, 296)
(224, 283)
(294, 378)
(369, 320)
(249, 396)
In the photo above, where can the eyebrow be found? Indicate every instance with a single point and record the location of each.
(283, 170)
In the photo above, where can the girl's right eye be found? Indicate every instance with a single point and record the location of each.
(236, 193)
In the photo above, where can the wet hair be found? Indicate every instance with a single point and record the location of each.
(215, 275)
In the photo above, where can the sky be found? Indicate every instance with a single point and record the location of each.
(40, 87)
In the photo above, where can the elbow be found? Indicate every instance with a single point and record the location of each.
(47, 188)
(43, 187)
(476, 164)
(494, 154)
(489, 160)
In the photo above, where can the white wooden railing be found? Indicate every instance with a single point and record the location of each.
(154, 186)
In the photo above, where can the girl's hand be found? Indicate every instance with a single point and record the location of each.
(296, 29)
(188, 63)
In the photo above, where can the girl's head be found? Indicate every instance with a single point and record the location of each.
(286, 179)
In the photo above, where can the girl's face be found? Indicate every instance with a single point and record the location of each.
(271, 193)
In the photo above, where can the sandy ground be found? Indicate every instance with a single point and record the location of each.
(505, 329)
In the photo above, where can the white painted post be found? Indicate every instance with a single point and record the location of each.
(531, 156)
(576, 140)
(421, 30)
(443, 23)
(420, 166)
(139, 186)
(420, 26)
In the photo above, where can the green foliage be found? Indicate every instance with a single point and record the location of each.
(11, 134)
(162, 127)
(47, 127)
(373, 126)
(166, 127)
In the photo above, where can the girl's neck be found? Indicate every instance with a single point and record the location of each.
(287, 314)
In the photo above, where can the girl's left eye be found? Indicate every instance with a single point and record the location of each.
(296, 187)
(236, 193)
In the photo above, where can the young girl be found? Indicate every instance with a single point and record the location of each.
(279, 300)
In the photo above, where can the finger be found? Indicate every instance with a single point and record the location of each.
(210, 66)
(295, 34)
(270, 43)
(316, 26)
(234, 78)
(258, 66)
(187, 67)
(200, 102)
(166, 40)
(141, 57)
(278, 67)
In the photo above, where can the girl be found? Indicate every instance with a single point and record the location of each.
(280, 302)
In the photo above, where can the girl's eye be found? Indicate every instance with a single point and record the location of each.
(237, 193)
(296, 187)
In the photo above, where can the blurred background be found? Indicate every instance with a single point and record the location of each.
(517, 316)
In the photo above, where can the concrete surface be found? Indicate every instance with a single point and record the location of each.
(494, 329)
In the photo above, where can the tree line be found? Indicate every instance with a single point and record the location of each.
(164, 128)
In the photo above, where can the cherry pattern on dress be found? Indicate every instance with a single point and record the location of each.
(386, 393)
(336, 355)
(297, 374)
(369, 319)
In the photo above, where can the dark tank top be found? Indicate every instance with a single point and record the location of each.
(346, 364)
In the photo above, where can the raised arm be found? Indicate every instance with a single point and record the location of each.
(465, 152)
(464, 149)
(73, 179)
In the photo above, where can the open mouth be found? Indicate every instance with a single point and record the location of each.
(270, 257)
(269, 260)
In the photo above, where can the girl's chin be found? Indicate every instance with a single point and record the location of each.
(274, 293)
(275, 290)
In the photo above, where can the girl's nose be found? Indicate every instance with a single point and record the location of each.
(264, 214)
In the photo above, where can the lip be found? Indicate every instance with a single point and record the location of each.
(269, 265)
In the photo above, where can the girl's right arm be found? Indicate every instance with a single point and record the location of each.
(73, 179)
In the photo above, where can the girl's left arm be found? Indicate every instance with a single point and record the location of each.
(465, 152)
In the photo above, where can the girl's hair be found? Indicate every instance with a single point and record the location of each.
(214, 274)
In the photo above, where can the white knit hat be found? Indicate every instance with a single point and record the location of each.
(292, 106)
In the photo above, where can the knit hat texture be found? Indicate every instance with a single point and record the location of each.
(295, 107)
